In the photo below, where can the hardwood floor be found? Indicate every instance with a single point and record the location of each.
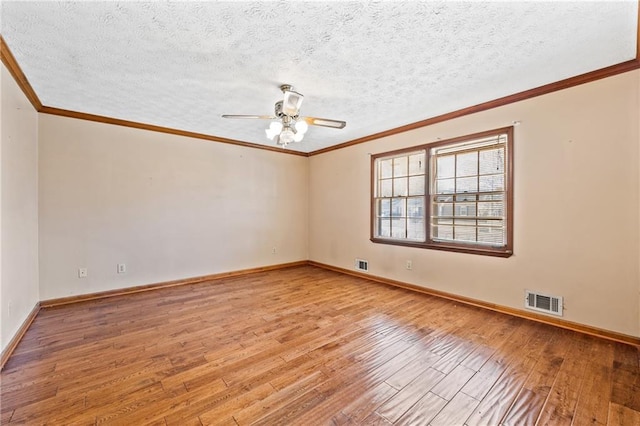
(309, 346)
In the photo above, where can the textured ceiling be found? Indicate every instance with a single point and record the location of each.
(375, 65)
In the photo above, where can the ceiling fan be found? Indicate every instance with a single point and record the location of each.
(290, 126)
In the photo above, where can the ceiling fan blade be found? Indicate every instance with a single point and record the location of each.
(261, 117)
(325, 122)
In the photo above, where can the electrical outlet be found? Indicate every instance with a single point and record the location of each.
(122, 268)
(409, 265)
(83, 272)
(273, 250)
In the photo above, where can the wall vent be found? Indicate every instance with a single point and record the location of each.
(543, 303)
(362, 265)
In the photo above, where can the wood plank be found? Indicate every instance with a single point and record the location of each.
(499, 399)
(374, 419)
(373, 368)
(295, 410)
(456, 411)
(396, 406)
(368, 402)
(592, 406)
(5, 416)
(526, 408)
(560, 406)
(414, 368)
(623, 416)
(128, 409)
(448, 387)
(528, 404)
(423, 411)
(508, 349)
(278, 399)
(223, 413)
(626, 380)
(307, 346)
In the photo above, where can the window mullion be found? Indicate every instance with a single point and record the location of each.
(406, 201)
(455, 191)
(477, 197)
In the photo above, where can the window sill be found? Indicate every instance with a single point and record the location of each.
(469, 249)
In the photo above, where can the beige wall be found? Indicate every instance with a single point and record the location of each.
(18, 208)
(168, 207)
(577, 207)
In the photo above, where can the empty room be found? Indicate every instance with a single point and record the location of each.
(320, 213)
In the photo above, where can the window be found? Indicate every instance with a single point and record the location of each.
(450, 195)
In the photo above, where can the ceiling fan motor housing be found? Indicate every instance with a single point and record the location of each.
(279, 111)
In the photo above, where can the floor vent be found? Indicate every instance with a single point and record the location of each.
(362, 265)
(543, 303)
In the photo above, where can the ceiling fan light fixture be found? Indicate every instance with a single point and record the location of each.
(287, 135)
(292, 102)
(274, 129)
(301, 127)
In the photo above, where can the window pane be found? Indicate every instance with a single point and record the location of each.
(398, 207)
(443, 209)
(384, 227)
(386, 168)
(445, 186)
(416, 185)
(465, 209)
(385, 188)
(384, 207)
(491, 183)
(400, 187)
(398, 228)
(491, 235)
(415, 229)
(415, 207)
(492, 161)
(467, 164)
(400, 166)
(446, 166)
(416, 164)
(468, 184)
(463, 233)
(442, 232)
(491, 209)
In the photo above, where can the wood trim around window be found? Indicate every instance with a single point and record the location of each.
(468, 248)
